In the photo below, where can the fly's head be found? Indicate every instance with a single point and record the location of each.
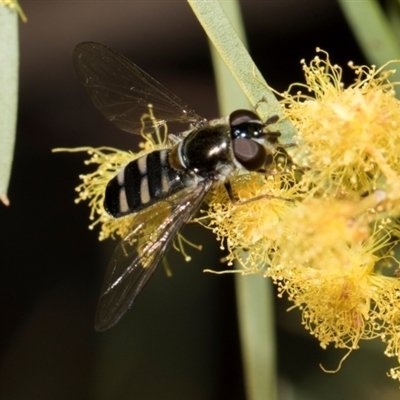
(251, 142)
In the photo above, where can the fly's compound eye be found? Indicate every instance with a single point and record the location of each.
(245, 124)
(251, 154)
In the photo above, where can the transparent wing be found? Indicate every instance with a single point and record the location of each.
(122, 91)
(138, 255)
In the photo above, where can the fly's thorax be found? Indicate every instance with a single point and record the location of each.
(219, 121)
(206, 150)
(143, 182)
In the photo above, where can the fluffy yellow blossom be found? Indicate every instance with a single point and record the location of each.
(332, 251)
(346, 136)
(336, 249)
(330, 269)
(250, 227)
(92, 189)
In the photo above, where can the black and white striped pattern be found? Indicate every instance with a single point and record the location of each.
(141, 183)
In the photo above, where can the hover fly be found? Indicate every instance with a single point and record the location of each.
(164, 188)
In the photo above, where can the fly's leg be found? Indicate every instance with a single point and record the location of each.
(238, 202)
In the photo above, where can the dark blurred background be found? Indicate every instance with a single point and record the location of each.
(180, 340)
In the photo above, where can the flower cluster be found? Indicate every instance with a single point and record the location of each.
(336, 256)
(333, 250)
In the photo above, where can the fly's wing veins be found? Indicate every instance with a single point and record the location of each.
(138, 255)
(122, 91)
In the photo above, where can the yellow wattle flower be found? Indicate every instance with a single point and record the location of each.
(335, 253)
(332, 250)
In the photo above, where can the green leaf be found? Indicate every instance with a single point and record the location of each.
(9, 64)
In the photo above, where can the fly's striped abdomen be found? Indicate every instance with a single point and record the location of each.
(142, 183)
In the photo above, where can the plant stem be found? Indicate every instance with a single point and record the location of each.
(231, 49)
(373, 33)
(253, 293)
